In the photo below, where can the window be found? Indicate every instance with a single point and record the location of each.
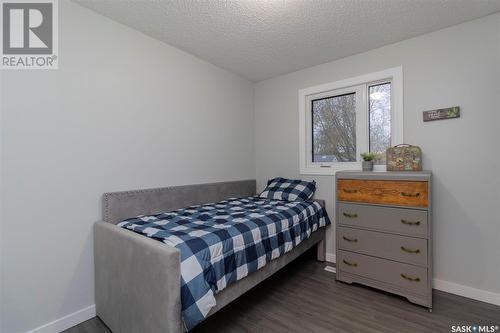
(340, 120)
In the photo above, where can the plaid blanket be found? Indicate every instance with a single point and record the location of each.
(223, 242)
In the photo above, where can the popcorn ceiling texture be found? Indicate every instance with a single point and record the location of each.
(260, 39)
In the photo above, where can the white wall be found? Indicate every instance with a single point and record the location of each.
(456, 66)
(1, 204)
(123, 111)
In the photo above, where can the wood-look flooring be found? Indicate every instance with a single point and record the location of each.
(303, 297)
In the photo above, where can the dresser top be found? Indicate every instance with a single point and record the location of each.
(385, 175)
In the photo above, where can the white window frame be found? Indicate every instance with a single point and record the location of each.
(359, 85)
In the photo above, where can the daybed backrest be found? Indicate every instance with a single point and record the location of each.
(118, 206)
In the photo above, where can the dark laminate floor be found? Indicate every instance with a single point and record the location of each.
(304, 298)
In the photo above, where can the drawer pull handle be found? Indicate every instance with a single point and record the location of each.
(410, 195)
(405, 249)
(410, 222)
(351, 216)
(409, 278)
(352, 264)
(347, 190)
(353, 240)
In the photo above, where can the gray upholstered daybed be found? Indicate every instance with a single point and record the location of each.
(125, 260)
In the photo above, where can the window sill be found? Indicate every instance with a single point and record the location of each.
(331, 170)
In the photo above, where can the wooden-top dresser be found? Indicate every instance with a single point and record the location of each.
(383, 232)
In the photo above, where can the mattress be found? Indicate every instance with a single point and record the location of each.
(224, 242)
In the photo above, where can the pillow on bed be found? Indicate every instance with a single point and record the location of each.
(288, 189)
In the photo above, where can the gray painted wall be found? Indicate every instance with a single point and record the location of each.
(1, 205)
(123, 111)
(455, 66)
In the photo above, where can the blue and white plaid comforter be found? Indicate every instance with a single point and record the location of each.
(223, 242)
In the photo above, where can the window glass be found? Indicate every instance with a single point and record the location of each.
(334, 129)
(380, 118)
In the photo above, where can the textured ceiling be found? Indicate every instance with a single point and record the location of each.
(259, 39)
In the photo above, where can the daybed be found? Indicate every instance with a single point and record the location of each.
(137, 279)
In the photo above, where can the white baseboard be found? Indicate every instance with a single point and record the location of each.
(67, 321)
(453, 288)
(465, 291)
(330, 269)
(330, 257)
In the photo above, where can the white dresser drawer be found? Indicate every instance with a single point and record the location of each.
(411, 222)
(411, 278)
(399, 248)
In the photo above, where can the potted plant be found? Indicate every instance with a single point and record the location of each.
(367, 161)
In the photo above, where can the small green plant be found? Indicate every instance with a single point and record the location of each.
(453, 112)
(368, 156)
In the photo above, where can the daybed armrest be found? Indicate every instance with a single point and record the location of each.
(137, 281)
